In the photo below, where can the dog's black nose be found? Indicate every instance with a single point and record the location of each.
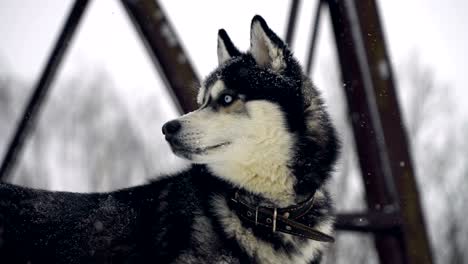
(171, 127)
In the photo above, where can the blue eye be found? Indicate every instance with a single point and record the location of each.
(227, 99)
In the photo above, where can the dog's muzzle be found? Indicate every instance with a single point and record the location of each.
(170, 129)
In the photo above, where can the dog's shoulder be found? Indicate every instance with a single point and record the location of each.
(77, 226)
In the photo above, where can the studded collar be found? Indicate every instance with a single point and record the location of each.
(285, 220)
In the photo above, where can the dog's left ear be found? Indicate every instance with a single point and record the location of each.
(266, 47)
(226, 48)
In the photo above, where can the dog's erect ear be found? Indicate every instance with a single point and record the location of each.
(266, 47)
(226, 49)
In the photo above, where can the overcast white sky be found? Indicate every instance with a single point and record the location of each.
(435, 29)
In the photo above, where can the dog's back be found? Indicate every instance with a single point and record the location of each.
(127, 226)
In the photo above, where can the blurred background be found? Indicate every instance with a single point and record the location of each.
(100, 128)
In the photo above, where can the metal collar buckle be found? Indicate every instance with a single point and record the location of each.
(275, 213)
(256, 215)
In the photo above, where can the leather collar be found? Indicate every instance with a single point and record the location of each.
(285, 220)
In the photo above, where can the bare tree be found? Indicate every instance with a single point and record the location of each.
(437, 139)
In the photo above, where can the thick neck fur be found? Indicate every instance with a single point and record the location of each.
(261, 244)
(262, 165)
(285, 168)
(270, 180)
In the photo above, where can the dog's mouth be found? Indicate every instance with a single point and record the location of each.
(206, 149)
(186, 152)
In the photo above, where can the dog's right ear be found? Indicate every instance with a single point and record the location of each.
(266, 47)
(226, 48)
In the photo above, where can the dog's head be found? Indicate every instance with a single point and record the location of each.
(259, 115)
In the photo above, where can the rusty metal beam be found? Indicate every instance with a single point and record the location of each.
(378, 129)
(166, 51)
(375, 222)
(292, 21)
(32, 110)
(376, 192)
(313, 39)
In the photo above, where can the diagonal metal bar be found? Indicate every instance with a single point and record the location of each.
(414, 232)
(362, 116)
(379, 135)
(313, 39)
(292, 21)
(166, 51)
(31, 113)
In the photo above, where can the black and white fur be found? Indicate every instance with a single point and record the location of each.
(261, 129)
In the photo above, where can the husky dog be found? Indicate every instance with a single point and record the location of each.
(262, 148)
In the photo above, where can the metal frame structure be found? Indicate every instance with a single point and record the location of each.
(379, 133)
(33, 108)
(394, 213)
